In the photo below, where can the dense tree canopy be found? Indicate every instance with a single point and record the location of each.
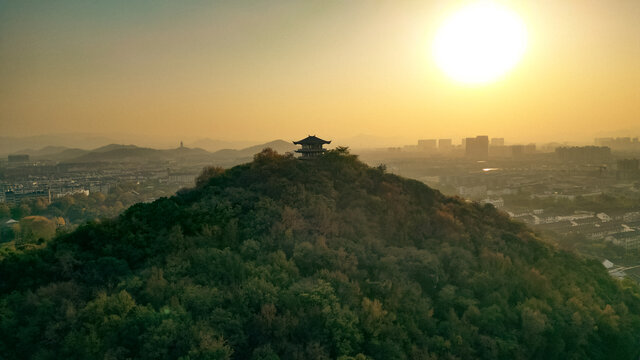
(329, 258)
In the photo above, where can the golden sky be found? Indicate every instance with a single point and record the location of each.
(262, 70)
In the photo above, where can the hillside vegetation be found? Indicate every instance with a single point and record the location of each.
(288, 259)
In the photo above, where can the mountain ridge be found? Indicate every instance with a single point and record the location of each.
(122, 153)
(328, 258)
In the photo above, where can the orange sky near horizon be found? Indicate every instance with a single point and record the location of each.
(252, 70)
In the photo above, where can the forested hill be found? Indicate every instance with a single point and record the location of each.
(288, 259)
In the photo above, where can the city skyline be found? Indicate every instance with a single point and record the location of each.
(31, 144)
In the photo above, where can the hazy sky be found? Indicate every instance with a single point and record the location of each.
(261, 70)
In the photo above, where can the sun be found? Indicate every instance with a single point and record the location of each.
(480, 43)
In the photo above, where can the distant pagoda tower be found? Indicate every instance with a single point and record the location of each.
(311, 147)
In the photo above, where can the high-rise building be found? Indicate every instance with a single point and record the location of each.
(517, 150)
(477, 148)
(521, 150)
(428, 145)
(445, 145)
(497, 148)
(586, 154)
(628, 169)
(530, 148)
(18, 158)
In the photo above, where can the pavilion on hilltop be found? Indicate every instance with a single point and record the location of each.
(311, 147)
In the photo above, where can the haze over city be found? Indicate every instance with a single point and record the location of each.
(260, 71)
(314, 180)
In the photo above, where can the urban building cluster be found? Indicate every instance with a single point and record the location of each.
(480, 147)
(619, 143)
(619, 227)
(544, 187)
(22, 179)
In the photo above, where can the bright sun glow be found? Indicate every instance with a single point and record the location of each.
(479, 43)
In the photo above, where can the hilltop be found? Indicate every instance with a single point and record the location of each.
(132, 153)
(322, 259)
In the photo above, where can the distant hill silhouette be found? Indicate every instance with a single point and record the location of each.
(277, 145)
(111, 147)
(53, 153)
(47, 150)
(10, 145)
(213, 145)
(281, 258)
(133, 153)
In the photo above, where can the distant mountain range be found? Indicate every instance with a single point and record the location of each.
(25, 145)
(40, 146)
(133, 153)
(215, 145)
(87, 141)
(130, 153)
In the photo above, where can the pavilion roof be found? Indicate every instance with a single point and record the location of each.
(311, 140)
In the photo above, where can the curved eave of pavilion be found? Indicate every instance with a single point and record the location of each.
(310, 150)
(311, 140)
